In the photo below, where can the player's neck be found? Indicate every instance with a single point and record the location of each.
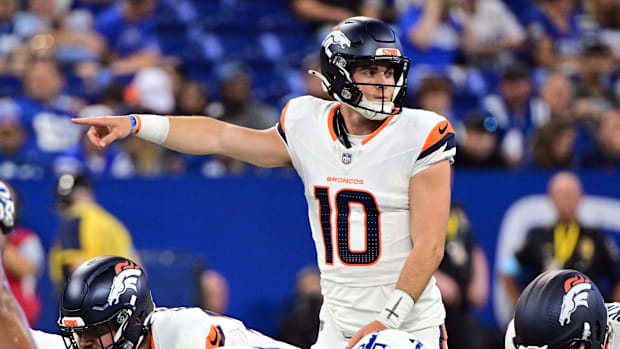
(356, 123)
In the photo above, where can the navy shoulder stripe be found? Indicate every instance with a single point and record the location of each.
(448, 139)
(281, 132)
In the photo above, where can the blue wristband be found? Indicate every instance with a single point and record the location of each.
(134, 124)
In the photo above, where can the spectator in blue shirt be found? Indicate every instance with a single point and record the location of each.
(129, 31)
(16, 159)
(45, 112)
(431, 33)
(557, 35)
(517, 111)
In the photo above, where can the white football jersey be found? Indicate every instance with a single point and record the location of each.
(613, 328)
(358, 204)
(181, 328)
(186, 328)
(45, 340)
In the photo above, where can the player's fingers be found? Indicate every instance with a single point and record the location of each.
(93, 136)
(356, 338)
(109, 138)
(91, 121)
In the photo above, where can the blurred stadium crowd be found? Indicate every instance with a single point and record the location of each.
(527, 84)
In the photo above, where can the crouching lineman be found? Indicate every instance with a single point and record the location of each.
(107, 303)
(563, 309)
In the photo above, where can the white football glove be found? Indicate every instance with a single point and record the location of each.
(7, 210)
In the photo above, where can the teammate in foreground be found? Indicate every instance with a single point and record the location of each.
(563, 309)
(107, 303)
(376, 178)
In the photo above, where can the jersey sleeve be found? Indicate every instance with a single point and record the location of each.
(281, 125)
(45, 340)
(440, 144)
(291, 126)
(185, 328)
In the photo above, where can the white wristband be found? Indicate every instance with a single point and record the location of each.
(153, 128)
(396, 309)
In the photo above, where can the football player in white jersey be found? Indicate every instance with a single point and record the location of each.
(563, 309)
(106, 303)
(376, 178)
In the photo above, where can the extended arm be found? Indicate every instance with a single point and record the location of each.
(198, 135)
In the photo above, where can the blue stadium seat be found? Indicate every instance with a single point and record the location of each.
(173, 41)
(293, 47)
(207, 7)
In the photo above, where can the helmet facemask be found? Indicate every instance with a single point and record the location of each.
(586, 341)
(115, 327)
(339, 83)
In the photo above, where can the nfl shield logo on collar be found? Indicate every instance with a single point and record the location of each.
(346, 158)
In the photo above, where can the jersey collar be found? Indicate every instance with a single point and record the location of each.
(334, 135)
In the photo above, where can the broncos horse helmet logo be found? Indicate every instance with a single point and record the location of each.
(127, 274)
(337, 37)
(576, 290)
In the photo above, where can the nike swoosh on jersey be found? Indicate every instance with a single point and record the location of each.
(439, 135)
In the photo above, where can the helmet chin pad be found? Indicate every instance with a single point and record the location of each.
(374, 110)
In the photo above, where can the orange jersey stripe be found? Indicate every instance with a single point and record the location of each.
(214, 339)
(444, 341)
(437, 133)
(376, 132)
(283, 114)
(330, 122)
(152, 341)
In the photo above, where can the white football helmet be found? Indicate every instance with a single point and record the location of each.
(389, 339)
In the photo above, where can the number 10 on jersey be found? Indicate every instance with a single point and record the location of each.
(372, 217)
